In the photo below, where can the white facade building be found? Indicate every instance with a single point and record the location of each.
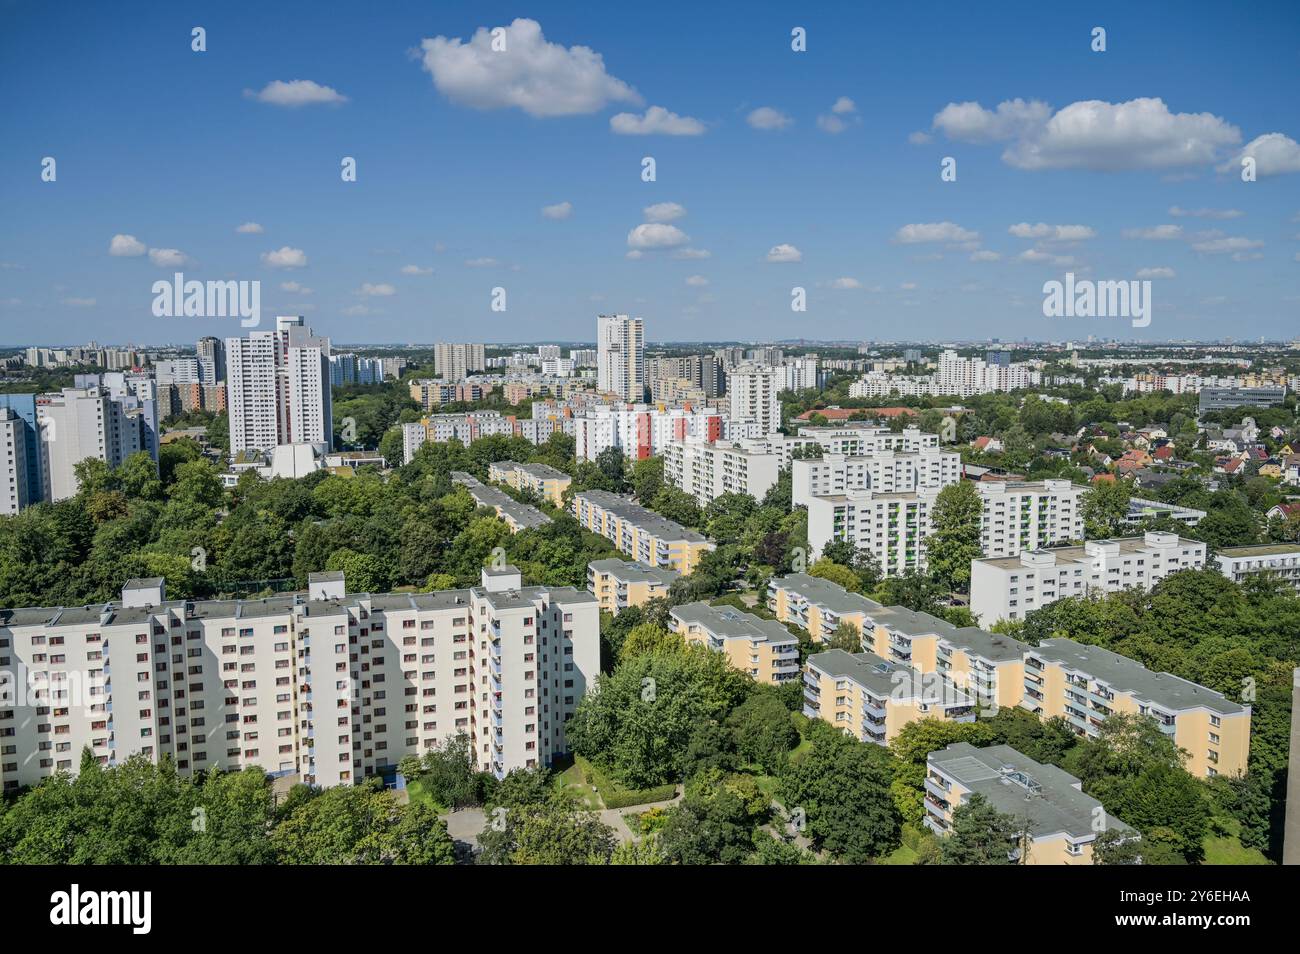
(752, 390)
(884, 471)
(708, 469)
(455, 362)
(1011, 587)
(15, 494)
(79, 423)
(1029, 515)
(620, 362)
(278, 388)
(1281, 560)
(328, 686)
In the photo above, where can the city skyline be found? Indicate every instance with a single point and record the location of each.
(817, 169)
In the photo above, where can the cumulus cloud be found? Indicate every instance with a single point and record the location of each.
(1274, 155)
(692, 253)
(1160, 272)
(416, 270)
(934, 232)
(784, 253)
(846, 283)
(919, 138)
(561, 210)
(295, 287)
(697, 281)
(1178, 212)
(664, 212)
(250, 228)
(984, 255)
(541, 78)
(831, 124)
(285, 257)
(767, 119)
(1052, 233)
(380, 290)
(483, 262)
(844, 105)
(126, 246)
(1157, 233)
(656, 121)
(168, 257)
(650, 235)
(1037, 256)
(1092, 134)
(296, 93)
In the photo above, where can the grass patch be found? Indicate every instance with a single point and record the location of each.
(417, 793)
(1228, 850)
(615, 795)
(571, 781)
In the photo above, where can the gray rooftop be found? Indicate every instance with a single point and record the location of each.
(1045, 796)
(629, 571)
(1275, 549)
(626, 509)
(1079, 554)
(727, 622)
(825, 595)
(885, 679)
(484, 495)
(1122, 674)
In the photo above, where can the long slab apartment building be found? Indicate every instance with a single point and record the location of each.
(640, 533)
(1011, 587)
(1059, 678)
(894, 526)
(326, 685)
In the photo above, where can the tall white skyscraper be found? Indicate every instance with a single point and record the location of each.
(454, 362)
(620, 361)
(278, 388)
(14, 491)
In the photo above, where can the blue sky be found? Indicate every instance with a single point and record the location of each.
(457, 155)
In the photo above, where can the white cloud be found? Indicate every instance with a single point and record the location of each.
(296, 93)
(934, 232)
(168, 257)
(664, 212)
(1157, 233)
(846, 283)
(907, 286)
(295, 287)
(1092, 134)
(561, 210)
(1036, 256)
(483, 262)
(1052, 233)
(126, 246)
(831, 124)
(844, 105)
(971, 122)
(357, 310)
(79, 302)
(984, 255)
(1160, 272)
(416, 270)
(541, 78)
(250, 228)
(692, 253)
(1205, 213)
(919, 138)
(381, 290)
(767, 118)
(782, 254)
(649, 235)
(697, 281)
(285, 257)
(635, 254)
(1221, 246)
(1274, 155)
(656, 121)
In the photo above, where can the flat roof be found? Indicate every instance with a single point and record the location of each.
(1045, 797)
(1128, 675)
(626, 509)
(885, 679)
(1272, 549)
(1079, 553)
(629, 571)
(727, 622)
(825, 594)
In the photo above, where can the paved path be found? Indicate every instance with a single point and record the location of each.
(466, 824)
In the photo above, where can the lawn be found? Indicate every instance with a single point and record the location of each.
(614, 795)
(416, 792)
(571, 781)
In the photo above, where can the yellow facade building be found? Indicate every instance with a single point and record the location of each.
(817, 605)
(640, 533)
(1057, 822)
(763, 648)
(542, 479)
(618, 584)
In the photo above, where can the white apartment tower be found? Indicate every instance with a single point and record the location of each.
(620, 360)
(454, 362)
(14, 492)
(78, 423)
(278, 388)
(753, 391)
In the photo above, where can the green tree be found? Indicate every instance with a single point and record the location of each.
(981, 835)
(955, 539)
